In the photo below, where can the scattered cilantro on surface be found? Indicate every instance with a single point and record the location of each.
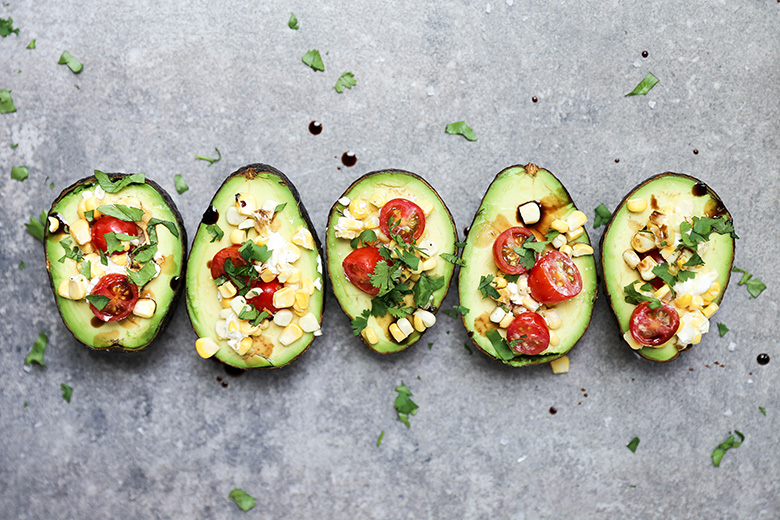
(451, 313)
(347, 80)
(73, 64)
(293, 22)
(6, 102)
(644, 86)
(242, 499)
(38, 349)
(67, 391)
(209, 159)
(22, 265)
(731, 442)
(602, 216)
(633, 444)
(404, 405)
(754, 285)
(178, 182)
(36, 226)
(763, 410)
(19, 173)
(468, 348)
(7, 27)
(461, 128)
(461, 309)
(379, 440)
(31, 45)
(722, 329)
(313, 59)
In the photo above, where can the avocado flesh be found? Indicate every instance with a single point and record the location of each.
(668, 189)
(132, 333)
(203, 306)
(498, 212)
(439, 228)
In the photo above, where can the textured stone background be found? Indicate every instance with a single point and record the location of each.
(155, 435)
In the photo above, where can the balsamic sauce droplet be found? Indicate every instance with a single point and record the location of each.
(553, 410)
(349, 159)
(63, 224)
(175, 282)
(763, 359)
(699, 189)
(695, 151)
(465, 231)
(97, 322)
(210, 216)
(234, 371)
(617, 160)
(645, 54)
(315, 127)
(535, 99)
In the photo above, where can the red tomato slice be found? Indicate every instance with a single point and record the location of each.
(554, 279)
(218, 262)
(408, 219)
(653, 327)
(122, 295)
(530, 332)
(503, 253)
(265, 300)
(359, 264)
(108, 224)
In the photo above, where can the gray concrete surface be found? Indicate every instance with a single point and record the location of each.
(155, 435)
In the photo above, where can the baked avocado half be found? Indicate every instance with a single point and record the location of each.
(666, 256)
(390, 244)
(115, 252)
(529, 281)
(254, 280)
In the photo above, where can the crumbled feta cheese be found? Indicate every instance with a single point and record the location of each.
(691, 325)
(99, 192)
(282, 255)
(344, 201)
(319, 264)
(318, 284)
(86, 194)
(699, 284)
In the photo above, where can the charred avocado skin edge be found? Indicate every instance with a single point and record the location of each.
(710, 198)
(116, 344)
(586, 265)
(338, 279)
(249, 173)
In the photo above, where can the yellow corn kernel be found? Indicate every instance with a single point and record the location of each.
(629, 338)
(370, 336)
(580, 249)
(576, 220)
(575, 233)
(303, 238)
(119, 259)
(560, 365)
(499, 282)
(419, 326)
(415, 277)
(426, 206)
(284, 297)
(62, 289)
(237, 237)
(559, 225)
(81, 208)
(226, 302)
(294, 277)
(79, 228)
(503, 294)
(715, 287)
(554, 340)
(506, 320)
(696, 340)
(246, 328)
(566, 249)
(552, 318)
(378, 199)
(710, 309)
(683, 301)
(246, 203)
(372, 222)
(232, 326)
(91, 204)
(227, 289)
(636, 205)
(530, 304)
(429, 264)
(308, 286)
(244, 345)
(267, 275)
(396, 332)
(301, 301)
(662, 291)
(206, 347)
(358, 209)
(696, 303)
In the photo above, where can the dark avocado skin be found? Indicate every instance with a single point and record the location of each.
(182, 238)
(449, 215)
(250, 172)
(531, 168)
(725, 213)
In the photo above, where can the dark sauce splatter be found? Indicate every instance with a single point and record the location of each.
(175, 282)
(699, 189)
(520, 218)
(645, 54)
(349, 159)
(97, 322)
(210, 216)
(315, 128)
(695, 151)
(465, 231)
(617, 161)
(535, 99)
(553, 410)
(763, 359)
(62, 226)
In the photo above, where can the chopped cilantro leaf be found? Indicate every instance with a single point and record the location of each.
(451, 313)
(14, 146)
(722, 329)
(360, 322)
(7, 27)
(98, 301)
(253, 315)
(425, 287)
(243, 500)
(103, 258)
(215, 231)
(379, 440)
(694, 260)
(404, 405)
(209, 159)
(763, 410)
(36, 226)
(453, 259)
(754, 286)
(468, 348)
(51, 186)
(385, 276)
(725, 446)
(143, 275)
(89, 215)
(347, 80)
(252, 252)
(400, 312)
(86, 270)
(500, 345)
(73, 64)
(635, 297)
(67, 391)
(180, 184)
(22, 265)
(430, 346)
(31, 45)
(122, 212)
(662, 272)
(461, 309)
(6, 102)
(38, 349)
(292, 23)
(19, 173)
(114, 242)
(644, 86)
(313, 59)
(633, 444)
(460, 244)
(71, 251)
(365, 237)
(461, 128)
(280, 207)
(408, 258)
(486, 289)
(602, 216)
(120, 183)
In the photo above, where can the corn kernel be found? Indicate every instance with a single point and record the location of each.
(529, 213)
(301, 301)
(696, 340)
(308, 286)
(499, 282)
(643, 241)
(233, 217)
(284, 297)
(560, 365)
(629, 338)
(559, 225)
(237, 237)
(429, 264)
(559, 241)
(246, 204)
(683, 301)
(580, 249)
(428, 318)
(554, 339)
(631, 258)
(506, 320)
(267, 275)
(243, 346)
(358, 209)
(247, 328)
(395, 331)
(405, 326)
(309, 323)
(206, 347)
(378, 199)
(77, 287)
(303, 238)
(290, 334)
(80, 231)
(530, 304)
(227, 289)
(226, 303)
(81, 208)
(696, 303)
(575, 233)
(370, 336)
(62, 289)
(372, 222)
(662, 291)
(119, 259)
(144, 308)
(419, 326)
(710, 309)
(566, 250)
(636, 205)
(283, 317)
(425, 205)
(497, 315)
(552, 318)
(576, 220)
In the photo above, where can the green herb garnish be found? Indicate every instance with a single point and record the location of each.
(754, 285)
(602, 216)
(122, 212)
(722, 329)
(280, 207)
(120, 183)
(209, 159)
(385, 276)
(98, 301)
(22, 265)
(6, 102)
(451, 313)
(644, 86)
(243, 500)
(486, 289)
(313, 59)
(73, 64)
(365, 238)
(180, 184)
(347, 80)
(404, 405)
(38, 349)
(253, 315)
(468, 348)
(19, 173)
(7, 27)
(725, 446)
(71, 251)
(635, 297)
(453, 259)
(460, 245)
(86, 270)
(67, 391)
(252, 252)
(763, 410)
(461, 309)
(633, 444)
(461, 128)
(36, 226)
(293, 22)
(379, 440)
(215, 231)
(425, 287)
(143, 275)
(31, 45)
(360, 322)
(500, 345)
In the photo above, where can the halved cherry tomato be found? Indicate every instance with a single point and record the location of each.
(122, 295)
(530, 333)
(265, 300)
(503, 249)
(359, 264)
(408, 219)
(218, 262)
(108, 224)
(554, 279)
(653, 327)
